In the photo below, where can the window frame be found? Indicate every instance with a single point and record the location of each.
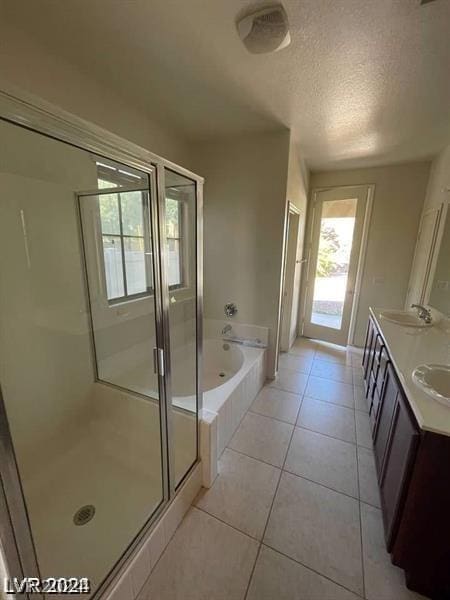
(147, 239)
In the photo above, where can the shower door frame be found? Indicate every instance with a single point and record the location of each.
(28, 111)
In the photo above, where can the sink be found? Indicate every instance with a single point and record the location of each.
(434, 380)
(403, 317)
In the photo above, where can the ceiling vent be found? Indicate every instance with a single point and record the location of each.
(265, 30)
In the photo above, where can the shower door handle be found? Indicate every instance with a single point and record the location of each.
(158, 361)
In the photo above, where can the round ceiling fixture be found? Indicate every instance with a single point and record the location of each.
(265, 30)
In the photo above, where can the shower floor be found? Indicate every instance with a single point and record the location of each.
(81, 474)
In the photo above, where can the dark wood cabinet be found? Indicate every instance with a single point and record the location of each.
(398, 464)
(395, 441)
(413, 475)
(383, 418)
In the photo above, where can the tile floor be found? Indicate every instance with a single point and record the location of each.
(295, 511)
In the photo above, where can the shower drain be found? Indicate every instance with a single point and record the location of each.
(84, 514)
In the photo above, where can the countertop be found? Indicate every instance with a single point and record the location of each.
(409, 347)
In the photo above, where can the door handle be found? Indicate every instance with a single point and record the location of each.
(158, 361)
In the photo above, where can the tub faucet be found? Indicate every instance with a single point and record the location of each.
(423, 312)
(226, 329)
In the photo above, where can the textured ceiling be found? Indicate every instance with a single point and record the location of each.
(363, 82)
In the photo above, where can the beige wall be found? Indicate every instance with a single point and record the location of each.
(244, 210)
(398, 201)
(439, 180)
(31, 67)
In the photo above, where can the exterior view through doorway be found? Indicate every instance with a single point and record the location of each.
(338, 231)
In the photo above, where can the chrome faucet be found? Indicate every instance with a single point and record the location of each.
(226, 329)
(423, 312)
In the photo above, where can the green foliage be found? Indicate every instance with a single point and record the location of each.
(329, 244)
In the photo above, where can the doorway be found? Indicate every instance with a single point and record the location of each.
(291, 280)
(338, 228)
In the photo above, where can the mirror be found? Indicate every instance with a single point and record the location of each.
(440, 286)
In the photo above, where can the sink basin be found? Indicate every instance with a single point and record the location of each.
(403, 317)
(434, 380)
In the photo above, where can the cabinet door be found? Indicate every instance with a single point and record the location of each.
(369, 357)
(367, 346)
(384, 418)
(399, 458)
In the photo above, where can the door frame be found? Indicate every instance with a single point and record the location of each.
(31, 112)
(438, 213)
(289, 269)
(370, 196)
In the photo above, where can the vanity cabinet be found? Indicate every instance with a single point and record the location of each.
(395, 444)
(413, 467)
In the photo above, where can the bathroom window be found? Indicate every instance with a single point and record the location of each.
(126, 245)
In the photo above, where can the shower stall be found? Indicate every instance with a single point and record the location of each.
(100, 342)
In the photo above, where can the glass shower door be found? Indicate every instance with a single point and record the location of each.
(180, 250)
(79, 321)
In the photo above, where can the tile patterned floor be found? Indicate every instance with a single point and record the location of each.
(295, 511)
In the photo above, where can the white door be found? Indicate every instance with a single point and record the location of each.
(336, 234)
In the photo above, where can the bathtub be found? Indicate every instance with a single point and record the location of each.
(233, 375)
(221, 362)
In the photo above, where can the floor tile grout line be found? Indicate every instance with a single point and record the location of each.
(276, 387)
(331, 379)
(254, 412)
(327, 487)
(311, 569)
(277, 487)
(360, 531)
(269, 514)
(304, 394)
(252, 537)
(359, 512)
(328, 402)
(333, 437)
(251, 457)
(258, 552)
(248, 456)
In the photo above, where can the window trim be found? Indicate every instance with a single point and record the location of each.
(146, 237)
(149, 291)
